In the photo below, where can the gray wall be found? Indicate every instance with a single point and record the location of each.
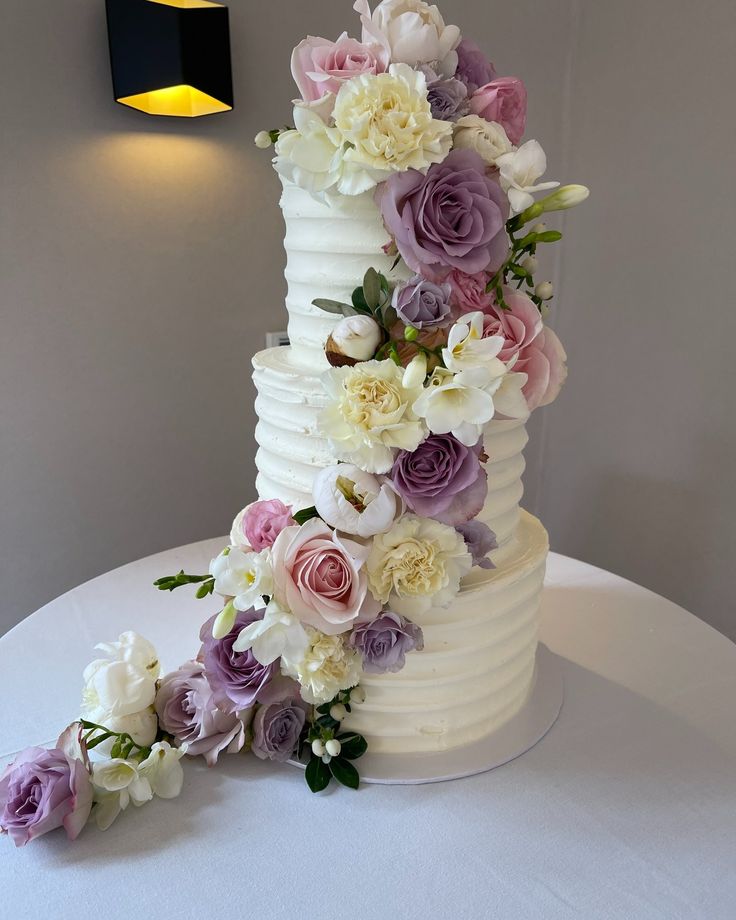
(142, 265)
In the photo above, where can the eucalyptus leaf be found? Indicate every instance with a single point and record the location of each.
(344, 772)
(317, 774)
(359, 302)
(333, 306)
(372, 289)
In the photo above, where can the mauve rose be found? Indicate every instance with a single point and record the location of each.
(45, 789)
(502, 100)
(539, 353)
(480, 540)
(319, 576)
(448, 99)
(186, 709)
(422, 304)
(473, 67)
(320, 66)
(236, 678)
(469, 291)
(442, 479)
(279, 721)
(384, 642)
(452, 217)
(263, 521)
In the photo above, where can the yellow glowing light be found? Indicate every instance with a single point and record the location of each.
(184, 101)
(186, 4)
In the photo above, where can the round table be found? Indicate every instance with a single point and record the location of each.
(626, 809)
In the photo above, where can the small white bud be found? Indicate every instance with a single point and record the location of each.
(530, 263)
(357, 695)
(338, 712)
(567, 196)
(355, 337)
(333, 747)
(263, 140)
(318, 748)
(224, 621)
(539, 227)
(544, 290)
(415, 372)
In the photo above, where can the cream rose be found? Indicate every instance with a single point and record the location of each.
(487, 138)
(326, 667)
(369, 415)
(387, 121)
(418, 564)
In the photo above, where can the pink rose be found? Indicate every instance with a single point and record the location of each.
(263, 521)
(320, 66)
(503, 100)
(540, 354)
(320, 577)
(469, 291)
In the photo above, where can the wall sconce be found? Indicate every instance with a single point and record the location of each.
(170, 57)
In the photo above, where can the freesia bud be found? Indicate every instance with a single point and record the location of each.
(224, 621)
(333, 747)
(411, 334)
(415, 372)
(263, 140)
(565, 197)
(544, 290)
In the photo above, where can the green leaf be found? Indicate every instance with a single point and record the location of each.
(359, 302)
(333, 306)
(317, 775)
(372, 289)
(353, 746)
(306, 514)
(344, 772)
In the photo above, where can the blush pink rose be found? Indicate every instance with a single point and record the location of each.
(263, 521)
(320, 577)
(320, 66)
(469, 291)
(539, 353)
(503, 100)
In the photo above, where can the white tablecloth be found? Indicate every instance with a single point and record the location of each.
(626, 809)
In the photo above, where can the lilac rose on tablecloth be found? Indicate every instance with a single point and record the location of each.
(186, 709)
(480, 540)
(442, 479)
(45, 789)
(421, 303)
(236, 678)
(279, 720)
(452, 217)
(384, 642)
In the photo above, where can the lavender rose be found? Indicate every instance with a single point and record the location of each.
(448, 99)
(442, 479)
(186, 709)
(236, 678)
(452, 217)
(278, 723)
(480, 540)
(45, 789)
(384, 642)
(421, 303)
(473, 67)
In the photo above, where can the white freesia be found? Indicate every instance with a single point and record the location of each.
(467, 349)
(412, 31)
(356, 337)
(457, 403)
(120, 688)
(326, 667)
(353, 501)
(244, 576)
(279, 633)
(519, 171)
(418, 564)
(487, 138)
(568, 196)
(416, 372)
(386, 120)
(162, 769)
(369, 414)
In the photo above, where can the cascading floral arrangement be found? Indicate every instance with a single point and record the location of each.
(313, 598)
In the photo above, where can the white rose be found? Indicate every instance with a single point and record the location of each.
(243, 576)
(519, 171)
(387, 122)
(369, 414)
(326, 667)
(487, 138)
(123, 683)
(418, 564)
(355, 337)
(353, 501)
(412, 31)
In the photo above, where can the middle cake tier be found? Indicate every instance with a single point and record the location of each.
(291, 449)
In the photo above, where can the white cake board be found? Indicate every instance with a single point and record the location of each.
(513, 739)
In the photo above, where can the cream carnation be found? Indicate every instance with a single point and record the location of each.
(387, 120)
(326, 667)
(369, 415)
(487, 138)
(418, 564)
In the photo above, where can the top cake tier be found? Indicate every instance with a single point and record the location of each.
(328, 250)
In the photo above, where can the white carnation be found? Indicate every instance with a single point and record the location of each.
(487, 138)
(326, 667)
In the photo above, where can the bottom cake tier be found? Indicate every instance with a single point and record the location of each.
(477, 667)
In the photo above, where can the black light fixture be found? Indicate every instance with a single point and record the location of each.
(170, 57)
